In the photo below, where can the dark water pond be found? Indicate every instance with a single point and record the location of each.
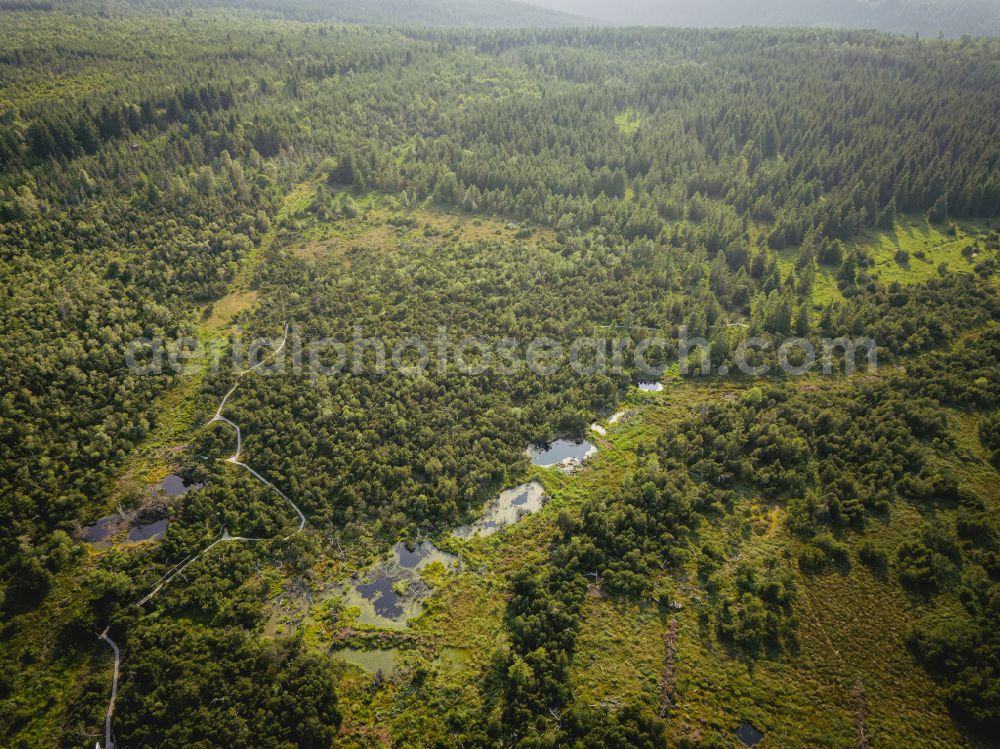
(386, 601)
(507, 509)
(174, 486)
(559, 451)
(98, 533)
(148, 531)
(748, 734)
(391, 591)
(422, 554)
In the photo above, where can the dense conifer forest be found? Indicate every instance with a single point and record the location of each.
(810, 555)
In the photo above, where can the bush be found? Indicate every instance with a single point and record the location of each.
(922, 566)
(812, 559)
(838, 552)
(989, 436)
(872, 556)
(965, 653)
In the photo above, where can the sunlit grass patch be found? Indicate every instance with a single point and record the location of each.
(915, 249)
(619, 652)
(225, 310)
(384, 223)
(628, 121)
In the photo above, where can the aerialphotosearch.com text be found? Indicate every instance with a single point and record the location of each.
(647, 357)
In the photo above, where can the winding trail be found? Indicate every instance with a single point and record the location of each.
(108, 743)
(178, 569)
(235, 459)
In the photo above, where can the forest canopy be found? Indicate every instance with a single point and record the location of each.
(225, 172)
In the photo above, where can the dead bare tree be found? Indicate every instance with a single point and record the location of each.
(860, 713)
(669, 677)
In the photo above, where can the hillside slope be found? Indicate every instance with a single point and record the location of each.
(928, 17)
(446, 13)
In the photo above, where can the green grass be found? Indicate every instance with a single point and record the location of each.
(628, 121)
(155, 457)
(378, 226)
(619, 654)
(853, 623)
(54, 674)
(852, 626)
(913, 235)
(799, 698)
